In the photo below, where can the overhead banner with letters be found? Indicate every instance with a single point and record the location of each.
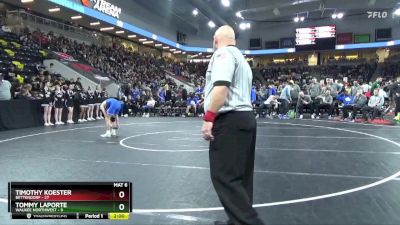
(104, 7)
(104, 11)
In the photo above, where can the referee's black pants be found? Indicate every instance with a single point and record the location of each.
(232, 165)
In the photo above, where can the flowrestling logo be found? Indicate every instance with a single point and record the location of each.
(377, 14)
(104, 7)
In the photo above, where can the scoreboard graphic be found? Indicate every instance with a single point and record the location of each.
(70, 200)
(316, 38)
(308, 36)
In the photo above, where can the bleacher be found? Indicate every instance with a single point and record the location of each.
(24, 57)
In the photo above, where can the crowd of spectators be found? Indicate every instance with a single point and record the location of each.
(361, 72)
(329, 96)
(125, 65)
(390, 70)
(119, 62)
(193, 72)
(144, 85)
(141, 77)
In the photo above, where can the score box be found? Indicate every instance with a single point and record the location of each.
(69, 200)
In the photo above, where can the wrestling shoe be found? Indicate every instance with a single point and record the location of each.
(106, 135)
(113, 132)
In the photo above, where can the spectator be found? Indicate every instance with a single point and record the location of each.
(168, 93)
(200, 106)
(347, 88)
(253, 95)
(326, 102)
(271, 90)
(199, 90)
(161, 95)
(285, 99)
(359, 103)
(5, 89)
(334, 88)
(315, 91)
(47, 103)
(191, 104)
(270, 104)
(184, 94)
(83, 103)
(355, 88)
(348, 103)
(376, 84)
(98, 100)
(78, 83)
(51, 69)
(59, 104)
(150, 104)
(294, 92)
(365, 87)
(25, 93)
(304, 101)
(91, 102)
(375, 104)
(69, 102)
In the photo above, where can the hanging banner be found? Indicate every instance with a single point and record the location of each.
(104, 7)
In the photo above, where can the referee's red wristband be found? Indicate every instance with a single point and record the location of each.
(209, 116)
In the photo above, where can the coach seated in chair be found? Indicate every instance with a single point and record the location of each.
(358, 104)
(325, 102)
(150, 104)
(348, 102)
(375, 105)
(304, 101)
(191, 104)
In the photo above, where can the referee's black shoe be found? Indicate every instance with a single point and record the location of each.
(223, 223)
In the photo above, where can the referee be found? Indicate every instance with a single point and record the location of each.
(231, 128)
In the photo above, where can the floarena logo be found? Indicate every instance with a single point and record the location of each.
(104, 7)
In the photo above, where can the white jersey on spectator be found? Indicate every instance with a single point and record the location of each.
(270, 100)
(382, 93)
(365, 87)
(151, 103)
(227, 65)
(5, 88)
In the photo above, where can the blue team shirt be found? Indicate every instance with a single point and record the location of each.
(272, 91)
(134, 93)
(113, 106)
(347, 100)
(161, 95)
(199, 91)
(192, 100)
(253, 95)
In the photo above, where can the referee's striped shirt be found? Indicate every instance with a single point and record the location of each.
(228, 67)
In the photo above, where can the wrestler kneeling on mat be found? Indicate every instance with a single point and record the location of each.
(111, 108)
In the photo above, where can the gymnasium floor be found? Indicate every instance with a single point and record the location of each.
(307, 172)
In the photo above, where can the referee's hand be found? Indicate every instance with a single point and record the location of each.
(206, 130)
